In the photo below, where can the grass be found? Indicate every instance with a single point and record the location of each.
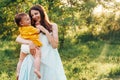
(92, 60)
(8, 57)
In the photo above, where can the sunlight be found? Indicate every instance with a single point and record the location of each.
(104, 67)
(104, 50)
(109, 9)
(68, 3)
(65, 2)
(117, 0)
(98, 11)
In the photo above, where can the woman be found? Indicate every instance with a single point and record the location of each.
(51, 67)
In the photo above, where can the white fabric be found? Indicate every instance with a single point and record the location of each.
(51, 67)
(25, 48)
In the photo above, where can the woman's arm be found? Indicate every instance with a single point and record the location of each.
(53, 39)
(22, 41)
(28, 42)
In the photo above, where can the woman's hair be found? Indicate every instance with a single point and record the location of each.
(44, 18)
(18, 18)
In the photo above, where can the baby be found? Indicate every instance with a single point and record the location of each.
(29, 32)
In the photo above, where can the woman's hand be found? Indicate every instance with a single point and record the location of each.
(32, 48)
(53, 39)
(28, 42)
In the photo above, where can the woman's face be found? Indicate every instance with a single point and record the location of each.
(35, 15)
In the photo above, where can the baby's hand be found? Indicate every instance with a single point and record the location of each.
(37, 23)
(42, 29)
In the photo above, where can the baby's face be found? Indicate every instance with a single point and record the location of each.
(26, 21)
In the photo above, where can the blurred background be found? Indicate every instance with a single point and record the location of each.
(89, 37)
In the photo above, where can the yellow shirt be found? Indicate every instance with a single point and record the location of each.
(31, 33)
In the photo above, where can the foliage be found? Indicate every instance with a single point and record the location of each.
(89, 40)
(96, 59)
(8, 55)
(115, 71)
(85, 37)
(91, 59)
(70, 16)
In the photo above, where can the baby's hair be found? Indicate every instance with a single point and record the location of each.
(18, 18)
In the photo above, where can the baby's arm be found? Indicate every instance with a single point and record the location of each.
(38, 29)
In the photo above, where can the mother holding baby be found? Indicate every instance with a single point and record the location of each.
(51, 67)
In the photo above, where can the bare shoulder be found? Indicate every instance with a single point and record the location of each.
(54, 26)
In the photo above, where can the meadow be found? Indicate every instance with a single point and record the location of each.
(89, 35)
(91, 60)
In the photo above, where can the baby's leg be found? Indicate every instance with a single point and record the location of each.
(22, 56)
(37, 62)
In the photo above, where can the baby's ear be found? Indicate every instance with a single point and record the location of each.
(21, 23)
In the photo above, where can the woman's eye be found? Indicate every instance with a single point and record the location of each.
(36, 13)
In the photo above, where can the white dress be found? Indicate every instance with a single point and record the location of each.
(51, 67)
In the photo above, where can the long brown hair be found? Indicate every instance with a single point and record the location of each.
(44, 18)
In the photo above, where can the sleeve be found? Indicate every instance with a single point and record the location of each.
(27, 32)
(33, 30)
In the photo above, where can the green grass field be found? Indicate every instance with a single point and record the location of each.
(93, 60)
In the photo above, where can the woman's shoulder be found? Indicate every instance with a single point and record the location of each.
(54, 26)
